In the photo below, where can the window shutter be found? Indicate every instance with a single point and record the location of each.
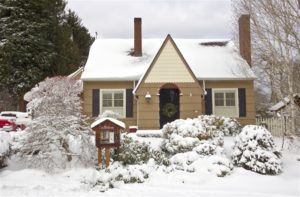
(95, 102)
(129, 103)
(242, 102)
(208, 101)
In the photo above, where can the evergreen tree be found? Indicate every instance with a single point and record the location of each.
(79, 34)
(72, 41)
(38, 39)
(26, 50)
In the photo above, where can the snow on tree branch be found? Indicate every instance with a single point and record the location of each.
(58, 136)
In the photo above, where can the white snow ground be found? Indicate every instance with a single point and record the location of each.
(15, 181)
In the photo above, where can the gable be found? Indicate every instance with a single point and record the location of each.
(169, 67)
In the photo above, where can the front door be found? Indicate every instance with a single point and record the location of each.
(168, 105)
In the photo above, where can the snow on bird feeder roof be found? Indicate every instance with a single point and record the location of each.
(115, 121)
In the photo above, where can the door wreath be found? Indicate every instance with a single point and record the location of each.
(169, 110)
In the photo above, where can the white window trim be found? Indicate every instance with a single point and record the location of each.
(225, 90)
(113, 90)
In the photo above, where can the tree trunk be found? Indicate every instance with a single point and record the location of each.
(21, 104)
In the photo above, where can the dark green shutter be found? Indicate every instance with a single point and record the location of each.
(208, 101)
(95, 102)
(242, 102)
(129, 103)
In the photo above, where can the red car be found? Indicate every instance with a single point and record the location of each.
(7, 124)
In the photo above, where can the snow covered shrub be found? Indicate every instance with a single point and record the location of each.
(160, 157)
(58, 136)
(4, 148)
(184, 135)
(109, 114)
(229, 126)
(132, 152)
(117, 174)
(191, 161)
(254, 149)
(205, 148)
(196, 145)
(220, 166)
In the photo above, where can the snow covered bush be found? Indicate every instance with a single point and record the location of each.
(196, 145)
(4, 148)
(254, 149)
(229, 126)
(220, 166)
(191, 161)
(109, 114)
(58, 136)
(117, 174)
(132, 152)
(184, 135)
(160, 157)
(205, 148)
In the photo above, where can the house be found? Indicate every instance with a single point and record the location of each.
(150, 82)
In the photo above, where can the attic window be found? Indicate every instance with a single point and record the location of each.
(215, 43)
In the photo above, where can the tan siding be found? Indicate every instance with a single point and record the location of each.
(191, 104)
(168, 65)
(248, 85)
(148, 113)
(87, 97)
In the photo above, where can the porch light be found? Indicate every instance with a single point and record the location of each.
(148, 97)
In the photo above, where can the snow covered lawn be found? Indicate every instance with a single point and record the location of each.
(15, 181)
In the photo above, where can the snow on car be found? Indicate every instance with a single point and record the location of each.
(8, 124)
(21, 119)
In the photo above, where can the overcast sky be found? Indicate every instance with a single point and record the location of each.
(180, 18)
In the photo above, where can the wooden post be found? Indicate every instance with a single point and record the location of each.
(99, 157)
(107, 156)
(21, 103)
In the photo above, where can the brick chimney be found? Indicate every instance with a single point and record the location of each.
(245, 37)
(137, 37)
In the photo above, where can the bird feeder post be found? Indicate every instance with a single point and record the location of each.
(99, 157)
(107, 157)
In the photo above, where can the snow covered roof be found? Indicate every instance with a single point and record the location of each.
(110, 60)
(115, 121)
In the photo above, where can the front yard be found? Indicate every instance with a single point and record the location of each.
(16, 181)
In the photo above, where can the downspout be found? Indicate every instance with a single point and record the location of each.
(204, 93)
(137, 106)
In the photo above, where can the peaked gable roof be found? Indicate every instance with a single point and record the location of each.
(110, 60)
(170, 79)
(115, 121)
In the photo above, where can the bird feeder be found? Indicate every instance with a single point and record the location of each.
(107, 136)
